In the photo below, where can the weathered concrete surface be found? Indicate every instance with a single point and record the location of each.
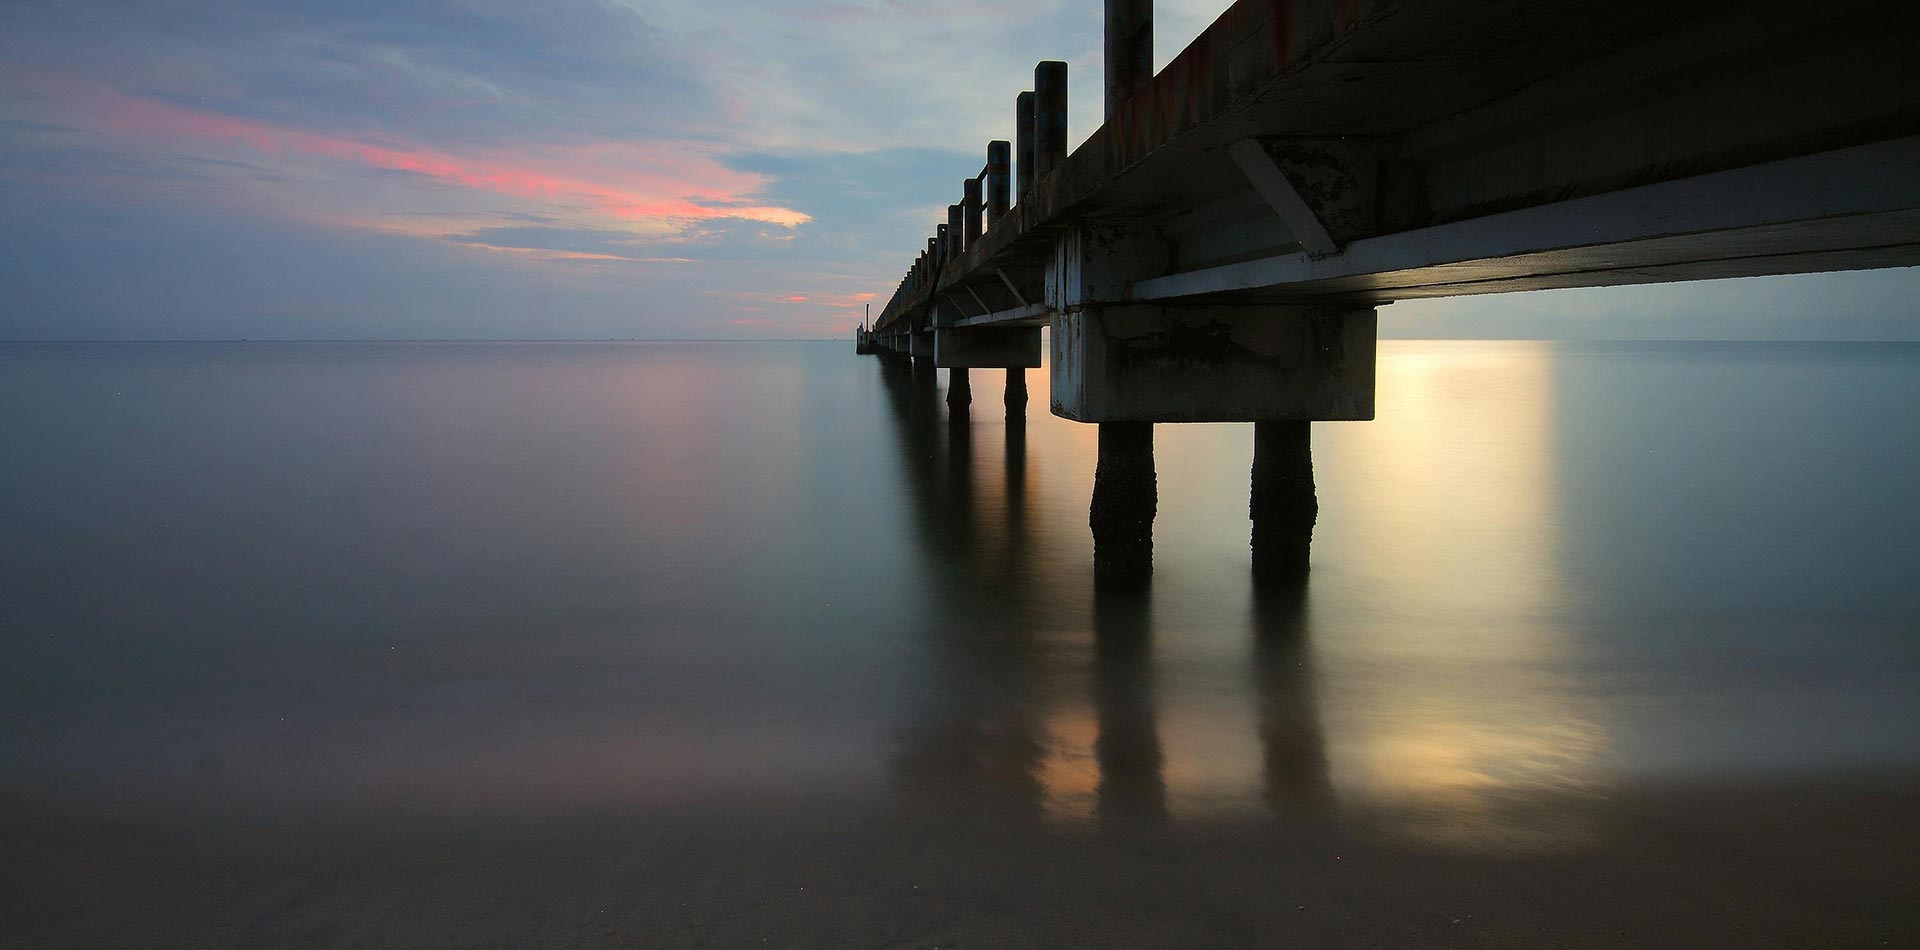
(1151, 363)
(987, 348)
(920, 345)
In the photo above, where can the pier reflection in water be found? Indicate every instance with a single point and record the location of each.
(1044, 702)
(1438, 675)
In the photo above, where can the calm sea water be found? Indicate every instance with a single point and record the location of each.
(269, 579)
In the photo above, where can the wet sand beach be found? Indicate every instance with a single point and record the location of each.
(1825, 862)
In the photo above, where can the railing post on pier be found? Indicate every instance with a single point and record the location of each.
(942, 247)
(970, 211)
(1049, 118)
(1023, 139)
(956, 236)
(1129, 50)
(998, 198)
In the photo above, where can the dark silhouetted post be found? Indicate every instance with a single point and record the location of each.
(942, 247)
(1125, 499)
(1283, 506)
(999, 181)
(955, 232)
(1129, 50)
(959, 393)
(970, 209)
(1023, 144)
(1016, 393)
(1049, 118)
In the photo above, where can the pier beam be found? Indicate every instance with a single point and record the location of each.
(1198, 363)
(986, 347)
(1282, 506)
(920, 346)
(1125, 499)
(1129, 50)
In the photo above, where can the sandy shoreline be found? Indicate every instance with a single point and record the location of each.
(1811, 862)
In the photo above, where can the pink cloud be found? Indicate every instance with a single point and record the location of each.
(644, 181)
(551, 254)
(848, 301)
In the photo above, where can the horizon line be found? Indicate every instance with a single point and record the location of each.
(849, 339)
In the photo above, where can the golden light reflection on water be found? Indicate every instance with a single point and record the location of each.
(1463, 711)
(1442, 707)
(1070, 771)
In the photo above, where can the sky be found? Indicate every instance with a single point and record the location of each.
(589, 169)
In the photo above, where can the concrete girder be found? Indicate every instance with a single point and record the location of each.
(1322, 189)
(987, 348)
(1094, 263)
(1858, 201)
(1157, 363)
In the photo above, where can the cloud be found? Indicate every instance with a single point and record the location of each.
(575, 244)
(454, 73)
(632, 180)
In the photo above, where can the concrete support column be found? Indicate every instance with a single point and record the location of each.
(1016, 393)
(959, 392)
(1282, 506)
(1049, 118)
(1023, 145)
(1129, 50)
(1125, 499)
(1127, 366)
